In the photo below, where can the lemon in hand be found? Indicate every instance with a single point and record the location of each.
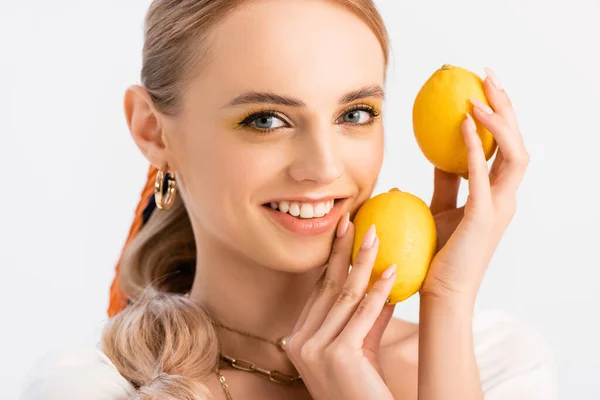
(438, 111)
(407, 238)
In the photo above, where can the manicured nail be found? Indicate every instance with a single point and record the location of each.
(481, 106)
(369, 239)
(343, 225)
(493, 78)
(472, 122)
(389, 272)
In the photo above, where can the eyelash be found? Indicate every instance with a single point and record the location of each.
(253, 116)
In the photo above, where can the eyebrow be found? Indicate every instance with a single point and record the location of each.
(253, 97)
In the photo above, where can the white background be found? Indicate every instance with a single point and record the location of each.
(72, 176)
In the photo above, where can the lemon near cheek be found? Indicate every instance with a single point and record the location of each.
(407, 237)
(438, 111)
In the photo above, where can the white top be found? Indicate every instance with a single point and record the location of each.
(514, 363)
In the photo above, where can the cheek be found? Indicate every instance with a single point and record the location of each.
(363, 161)
(221, 177)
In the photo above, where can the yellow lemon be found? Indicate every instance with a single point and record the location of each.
(438, 111)
(407, 238)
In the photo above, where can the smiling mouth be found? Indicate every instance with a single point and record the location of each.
(304, 210)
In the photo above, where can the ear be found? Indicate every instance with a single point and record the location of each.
(145, 125)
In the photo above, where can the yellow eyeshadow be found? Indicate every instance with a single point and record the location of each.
(233, 122)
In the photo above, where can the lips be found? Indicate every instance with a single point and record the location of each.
(303, 209)
(312, 218)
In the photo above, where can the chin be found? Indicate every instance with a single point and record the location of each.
(301, 256)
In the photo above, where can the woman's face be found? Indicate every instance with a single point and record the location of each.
(285, 114)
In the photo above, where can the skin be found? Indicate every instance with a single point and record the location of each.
(261, 278)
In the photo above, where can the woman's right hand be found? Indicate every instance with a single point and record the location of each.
(335, 343)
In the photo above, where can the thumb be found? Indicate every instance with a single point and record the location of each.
(445, 191)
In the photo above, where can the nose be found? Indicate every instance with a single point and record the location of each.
(316, 158)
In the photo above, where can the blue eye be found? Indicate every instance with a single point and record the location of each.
(360, 115)
(354, 116)
(266, 122)
(263, 121)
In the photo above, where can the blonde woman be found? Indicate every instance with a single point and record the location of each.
(262, 121)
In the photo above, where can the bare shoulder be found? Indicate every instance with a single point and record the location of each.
(77, 373)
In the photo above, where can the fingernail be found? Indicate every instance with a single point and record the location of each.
(493, 78)
(481, 106)
(389, 272)
(472, 122)
(369, 239)
(343, 225)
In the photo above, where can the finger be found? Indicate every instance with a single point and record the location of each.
(499, 99)
(445, 191)
(509, 140)
(327, 290)
(479, 181)
(362, 322)
(496, 166)
(353, 292)
(515, 157)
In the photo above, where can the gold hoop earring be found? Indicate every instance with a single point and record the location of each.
(165, 202)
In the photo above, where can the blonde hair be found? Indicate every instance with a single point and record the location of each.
(164, 343)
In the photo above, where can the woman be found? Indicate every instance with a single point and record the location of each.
(264, 120)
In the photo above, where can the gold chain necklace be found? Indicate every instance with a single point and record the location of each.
(274, 375)
(247, 366)
(243, 365)
(279, 343)
(224, 384)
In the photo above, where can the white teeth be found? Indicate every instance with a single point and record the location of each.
(306, 211)
(321, 209)
(284, 206)
(294, 209)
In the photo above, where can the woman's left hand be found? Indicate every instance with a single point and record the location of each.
(458, 268)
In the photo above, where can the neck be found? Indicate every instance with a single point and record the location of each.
(252, 298)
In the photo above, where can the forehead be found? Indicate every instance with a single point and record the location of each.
(312, 49)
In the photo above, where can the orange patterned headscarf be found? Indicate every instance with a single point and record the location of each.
(118, 299)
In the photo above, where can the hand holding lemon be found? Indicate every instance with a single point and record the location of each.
(456, 144)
